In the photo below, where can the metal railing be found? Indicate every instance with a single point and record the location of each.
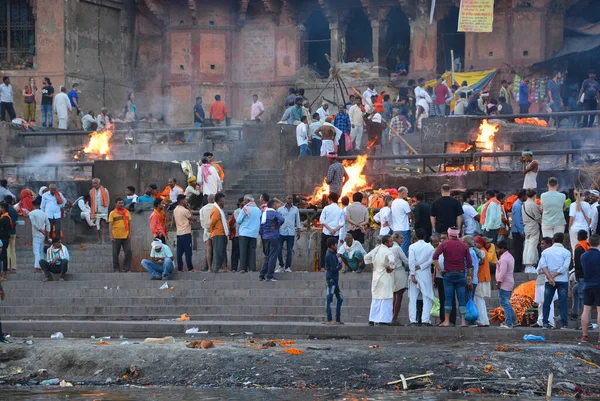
(476, 158)
(542, 115)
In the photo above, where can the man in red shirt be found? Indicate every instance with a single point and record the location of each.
(456, 258)
(218, 111)
(442, 94)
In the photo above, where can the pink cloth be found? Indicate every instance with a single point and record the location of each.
(504, 271)
(206, 172)
(246, 206)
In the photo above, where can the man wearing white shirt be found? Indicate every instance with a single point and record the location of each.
(401, 217)
(580, 217)
(420, 258)
(594, 195)
(210, 179)
(323, 111)
(6, 100)
(52, 204)
(62, 107)
(352, 254)
(302, 137)
(332, 221)
(357, 123)
(554, 264)
(470, 215)
(366, 99)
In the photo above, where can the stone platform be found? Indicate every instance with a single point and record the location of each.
(96, 301)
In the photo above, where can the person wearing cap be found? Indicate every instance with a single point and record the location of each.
(62, 107)
(183, 221)
(590, 94)
(192, 192)
(119, 221)
(457, 259)
(160, 264)
(336, 175)
(56, 262)
(530, 169)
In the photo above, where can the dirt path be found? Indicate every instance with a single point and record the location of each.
(323, 364)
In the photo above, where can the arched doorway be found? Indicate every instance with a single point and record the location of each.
(318, 42)
(359, 37)
(450, 39)
(397, 40)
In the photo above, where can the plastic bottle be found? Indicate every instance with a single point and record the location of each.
(51, 382)
(531, 337)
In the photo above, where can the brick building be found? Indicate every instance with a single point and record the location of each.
(171, 51)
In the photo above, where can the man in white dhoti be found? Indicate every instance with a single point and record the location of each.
(531, 220)
(400, 275)
(382, 285)
(420, 258)
(62, 107)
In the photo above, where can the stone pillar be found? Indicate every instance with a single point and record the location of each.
(423, 45)
(375, 28)
(335, 44)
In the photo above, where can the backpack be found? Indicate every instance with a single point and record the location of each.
(76, 210)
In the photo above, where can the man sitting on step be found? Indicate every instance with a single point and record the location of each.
(56, 262)
(160, 265)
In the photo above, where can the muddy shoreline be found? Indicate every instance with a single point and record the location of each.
(341, 365)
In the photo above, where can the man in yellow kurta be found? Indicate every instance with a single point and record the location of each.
(382, 286)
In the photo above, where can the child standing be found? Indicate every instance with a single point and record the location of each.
(332, 269)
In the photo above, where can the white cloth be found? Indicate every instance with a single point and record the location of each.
(383, 217)
(594, 218)
(323, 114)
(62, 123)
(530, 248)
(83, 205)
(263, 217)
(211, 185)
(539, 299)
(338, 132)
(421, 94)
(356, 134)
(469, 213)
(356, 116)
(400, 211)
(366, 99)
(530, 180)
(224, 219)
(62, 106)
(205, 220)
(327, 147)
(302, 134)
(333, 216)
(421, 254)
(400, 272)
(100, 210)
(39, 222)
(86, 122)
(382, 285)
(102, 121)
(356, 247)
(580, 217)
(479, 302)
(6, 93)
(382, 311)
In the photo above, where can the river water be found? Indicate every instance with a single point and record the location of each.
(194, 394)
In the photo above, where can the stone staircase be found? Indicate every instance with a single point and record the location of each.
(97, 301)
(256, 182)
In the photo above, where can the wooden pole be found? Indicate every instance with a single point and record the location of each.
(549, 388)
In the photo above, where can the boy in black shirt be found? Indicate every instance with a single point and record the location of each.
(332, 275)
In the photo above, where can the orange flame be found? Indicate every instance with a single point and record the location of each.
(100, 142)
(487, 133)
(531, 121)
(356, 181)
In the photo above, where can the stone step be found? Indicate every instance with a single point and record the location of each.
(176, 300)
(263, 329)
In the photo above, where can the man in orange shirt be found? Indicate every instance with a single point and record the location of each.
(219, 231)
(218, 111)
(158, 221)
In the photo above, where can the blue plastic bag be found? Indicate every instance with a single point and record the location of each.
(472, 314)
(531, 337)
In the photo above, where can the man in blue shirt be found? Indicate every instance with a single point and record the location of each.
(198, 118)
(518, 228)
(590, 264)
(473, 105)
(270, 222)
(248, 221)
(332, 275)
(524, 96)
(75, 106)
(287, 233)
